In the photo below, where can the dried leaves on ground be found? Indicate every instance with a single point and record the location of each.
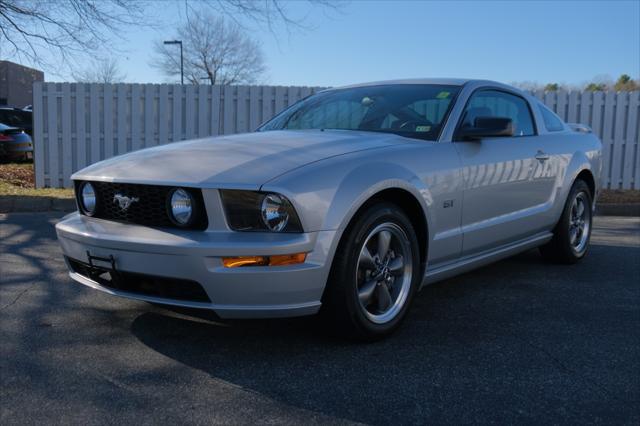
(20, 175)
(619, 196)
(17, 179)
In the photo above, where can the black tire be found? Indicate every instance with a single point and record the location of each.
(341, 307)
(561, 248)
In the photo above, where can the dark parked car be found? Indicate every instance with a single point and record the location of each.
(15, 144)
(19, 118)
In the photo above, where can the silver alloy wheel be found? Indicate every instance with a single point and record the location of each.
(384, 272)
(579, 223)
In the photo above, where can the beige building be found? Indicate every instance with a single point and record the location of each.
(16, 84)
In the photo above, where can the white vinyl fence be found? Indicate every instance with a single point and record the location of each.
(615, 118)
(79, 124)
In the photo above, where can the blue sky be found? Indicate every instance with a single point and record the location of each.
(543, 41)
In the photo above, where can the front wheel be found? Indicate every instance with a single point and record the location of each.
(572, 233)
(375, 274)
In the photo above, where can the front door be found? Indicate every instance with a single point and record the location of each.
(501, 196)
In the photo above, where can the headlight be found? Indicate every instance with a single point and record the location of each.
(259, 211)
(88, 198)
(274, 212)
(181, 207)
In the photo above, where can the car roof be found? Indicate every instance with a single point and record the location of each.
(474, 83)
(440, 81)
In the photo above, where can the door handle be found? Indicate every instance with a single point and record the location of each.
(541, 156)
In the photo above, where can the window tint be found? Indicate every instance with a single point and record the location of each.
(493, 103)
(551, 121)
(433, 110)
(411, 110)
(341, 114)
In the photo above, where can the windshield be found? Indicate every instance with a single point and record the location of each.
(14, 118)
(412, 110)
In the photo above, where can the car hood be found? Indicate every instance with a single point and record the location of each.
(240, 161)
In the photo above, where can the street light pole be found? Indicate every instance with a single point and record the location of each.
(181, 58)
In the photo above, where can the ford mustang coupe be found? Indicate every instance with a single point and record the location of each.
(345, 204)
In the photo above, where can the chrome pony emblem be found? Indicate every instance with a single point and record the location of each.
(124, 202)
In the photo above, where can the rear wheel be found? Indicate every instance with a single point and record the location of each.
(572, 233)
(375, 274)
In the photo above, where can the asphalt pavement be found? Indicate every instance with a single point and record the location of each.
(519, 341)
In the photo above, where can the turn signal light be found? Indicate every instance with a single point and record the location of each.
(278, 260)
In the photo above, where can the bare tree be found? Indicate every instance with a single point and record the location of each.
(64, 28)
(73, 29)
(102, 71)
(527, 85)
(215, 51)
(269, 13)
(534, 86)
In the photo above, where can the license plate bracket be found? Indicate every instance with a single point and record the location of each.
(96, 271)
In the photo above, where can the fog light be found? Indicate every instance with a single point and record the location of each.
(88, 198)
(181, 207)
(277, 260)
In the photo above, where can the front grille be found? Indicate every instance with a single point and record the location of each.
(146, 285)
(149, 210)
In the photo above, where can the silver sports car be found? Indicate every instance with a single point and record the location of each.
(345, 204)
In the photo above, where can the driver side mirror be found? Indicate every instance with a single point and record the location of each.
(487, 127)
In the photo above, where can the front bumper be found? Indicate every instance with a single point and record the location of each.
(195, 256)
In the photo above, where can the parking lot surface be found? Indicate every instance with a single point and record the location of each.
(518, 341)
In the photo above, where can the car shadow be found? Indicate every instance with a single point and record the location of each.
(462, 339)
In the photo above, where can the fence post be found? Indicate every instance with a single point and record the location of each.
(52, 136)
(38, 127)
(67, 146)
(631, 171)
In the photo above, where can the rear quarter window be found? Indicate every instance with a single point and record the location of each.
(551, 121)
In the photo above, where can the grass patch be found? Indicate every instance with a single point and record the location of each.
(8, 189)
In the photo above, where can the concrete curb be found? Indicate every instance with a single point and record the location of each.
(26, 204)
(632, 209)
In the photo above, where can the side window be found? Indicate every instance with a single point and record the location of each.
(551, 121)
(493, 103)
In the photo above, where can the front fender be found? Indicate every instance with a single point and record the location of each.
(328, 195)
(360, 181)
